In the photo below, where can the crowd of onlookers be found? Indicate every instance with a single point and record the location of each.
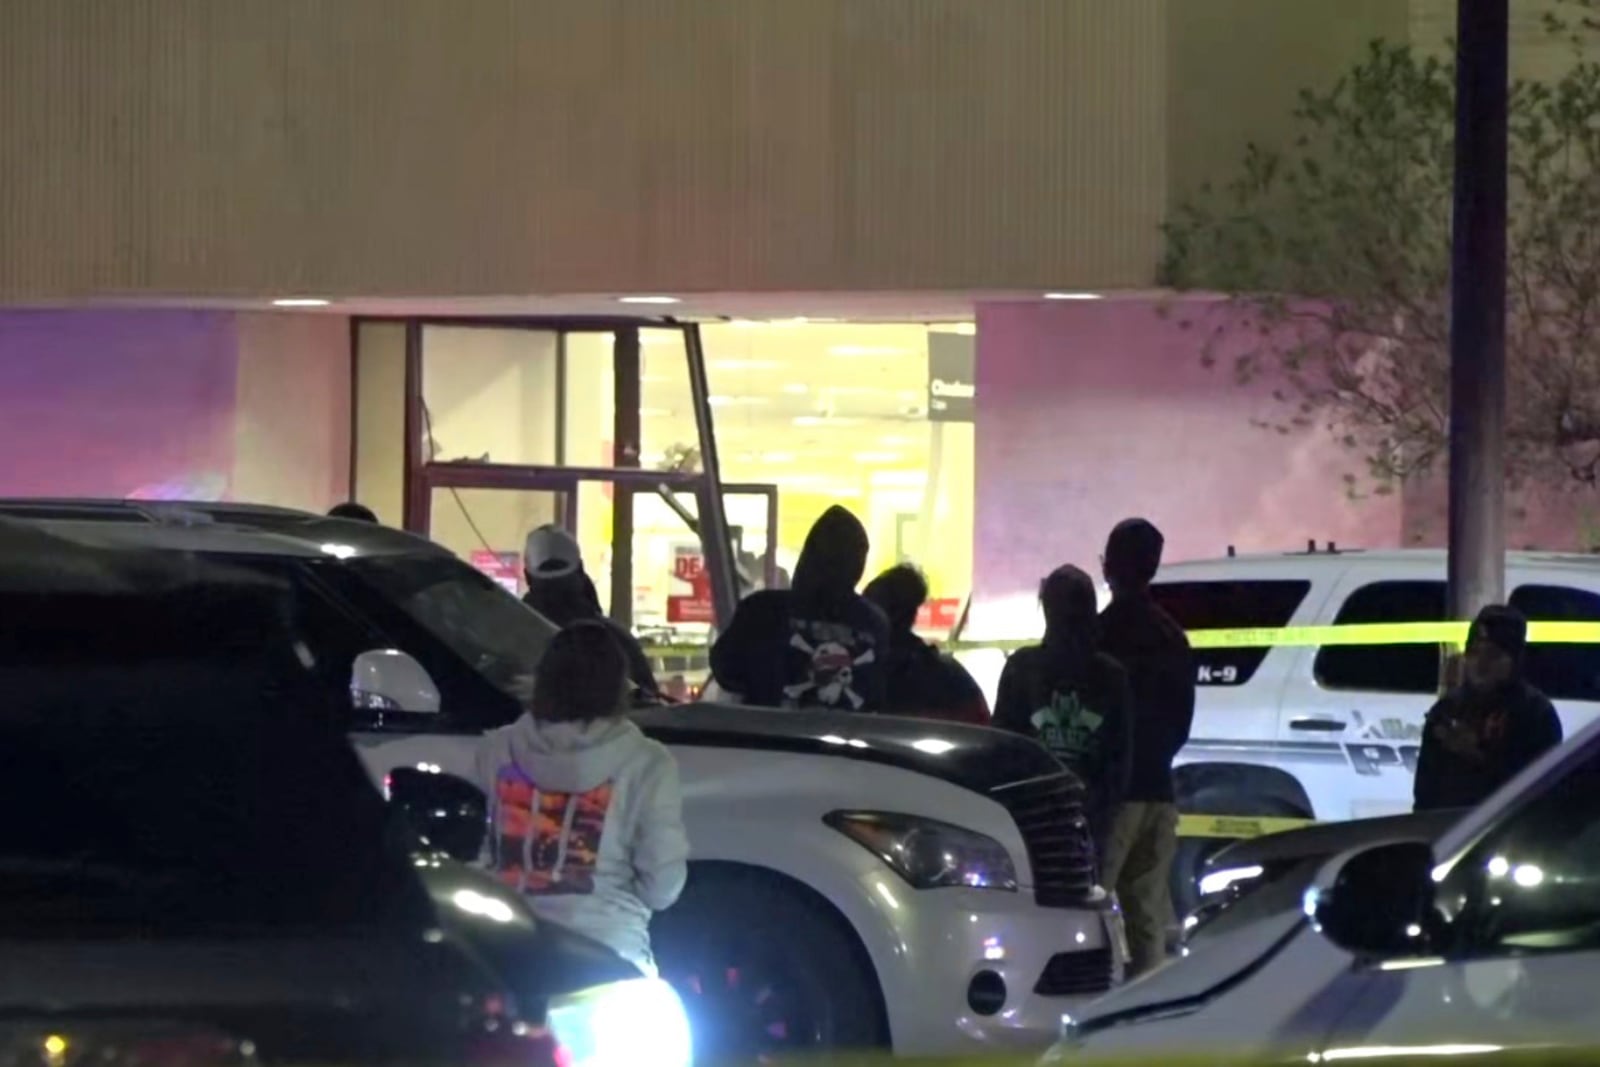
(588, 818)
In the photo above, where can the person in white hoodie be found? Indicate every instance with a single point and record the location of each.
(586, 812)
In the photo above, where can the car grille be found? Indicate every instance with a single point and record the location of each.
(1076, 973)
(1049, 813)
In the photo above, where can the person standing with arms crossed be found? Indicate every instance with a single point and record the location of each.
(1151, 646)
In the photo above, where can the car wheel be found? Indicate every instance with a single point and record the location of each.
(765, 972)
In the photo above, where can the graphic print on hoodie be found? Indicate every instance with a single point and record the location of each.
(818, 644)
(587, 822)
(547, 842)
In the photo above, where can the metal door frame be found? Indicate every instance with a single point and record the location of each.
(422, 475)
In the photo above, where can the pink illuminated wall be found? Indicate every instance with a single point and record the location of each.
(173, 404)
(1092, 411)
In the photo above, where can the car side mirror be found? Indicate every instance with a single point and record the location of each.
(388, 680)
(1377, 902)
(447, 812)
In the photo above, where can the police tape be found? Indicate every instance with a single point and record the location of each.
(1541, 632)
(1236, 827)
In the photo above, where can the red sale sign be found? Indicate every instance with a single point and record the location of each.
(691, 604)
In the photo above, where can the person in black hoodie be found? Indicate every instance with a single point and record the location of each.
(1151, 646)
(562, 591)
(1072, 698)
(1480, 734)
(922, 683)
(818, 643)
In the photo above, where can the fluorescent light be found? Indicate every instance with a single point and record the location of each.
(797, 389)
(301, 302)
(864, 350)
(648, 300)
(1072, 296)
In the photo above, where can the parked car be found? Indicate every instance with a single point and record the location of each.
(854, 880)
(1481, 941)
(197, 869)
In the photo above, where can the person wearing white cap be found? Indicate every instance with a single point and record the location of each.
(562, 591)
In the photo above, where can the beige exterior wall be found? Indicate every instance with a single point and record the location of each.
(502, 147)
(506, 146)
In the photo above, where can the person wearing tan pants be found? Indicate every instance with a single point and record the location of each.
(1153, 649)
(1138, 862)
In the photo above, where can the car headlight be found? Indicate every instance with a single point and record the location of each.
(635, 1023)
(929, 854)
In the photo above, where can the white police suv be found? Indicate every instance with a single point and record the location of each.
(1315, 670)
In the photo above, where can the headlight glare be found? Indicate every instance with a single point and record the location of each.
(636, 1023)
(929, 854)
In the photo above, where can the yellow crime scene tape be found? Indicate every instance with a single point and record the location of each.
(1234, 827)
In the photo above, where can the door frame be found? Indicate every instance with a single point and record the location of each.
(421, 474)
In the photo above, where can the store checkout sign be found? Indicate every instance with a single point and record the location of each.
(952, 380)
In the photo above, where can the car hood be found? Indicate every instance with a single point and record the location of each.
(1204, 971)
(975, 757)
(533, 958)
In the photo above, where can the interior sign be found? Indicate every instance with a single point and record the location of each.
(952, 380)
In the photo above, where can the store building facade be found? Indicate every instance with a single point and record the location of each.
(864, 207)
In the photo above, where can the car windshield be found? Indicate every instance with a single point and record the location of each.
(489, 628)
(185, 773)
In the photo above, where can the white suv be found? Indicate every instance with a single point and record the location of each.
(1288, 728)
(854, 880)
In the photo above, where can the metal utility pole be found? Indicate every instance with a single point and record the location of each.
(1478, 312)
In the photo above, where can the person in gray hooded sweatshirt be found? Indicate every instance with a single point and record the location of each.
(586, 812)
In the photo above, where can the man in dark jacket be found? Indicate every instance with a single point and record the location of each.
(922, 683)
(818, 643)
(562, 591)
(1072, 698)
(1152, 648)
(1480, 734)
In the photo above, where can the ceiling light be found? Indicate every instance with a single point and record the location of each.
(797, 389)
(648, 300)
(894, 440)
(876, 457)
(301, 302)
(1072, 296)
(864, 350)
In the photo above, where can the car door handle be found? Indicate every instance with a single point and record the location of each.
(1314, 723)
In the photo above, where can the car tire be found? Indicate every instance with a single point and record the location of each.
(766, 969)
(1189, 861)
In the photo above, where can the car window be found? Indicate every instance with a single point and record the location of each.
(478, 641)
(1561, 671)
(1230, 605)
(1533, 883)
(194, 774)
(1385, 668)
